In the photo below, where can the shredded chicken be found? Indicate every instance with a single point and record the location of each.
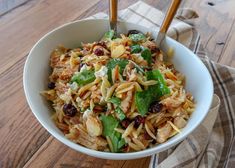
(164, 133)
(79, 135)
(180, 122)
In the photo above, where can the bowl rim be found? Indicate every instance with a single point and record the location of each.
(101, 154)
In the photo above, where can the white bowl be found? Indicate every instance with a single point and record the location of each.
(37, 70)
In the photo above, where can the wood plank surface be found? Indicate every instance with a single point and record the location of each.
(215, 24)
(41, 17)
(23, 141)
(8, 5)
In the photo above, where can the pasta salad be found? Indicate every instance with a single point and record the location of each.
(117, 94)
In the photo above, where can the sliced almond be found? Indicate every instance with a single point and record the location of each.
(118, 51)
(94, 126)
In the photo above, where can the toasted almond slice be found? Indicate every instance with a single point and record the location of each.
(118, 51)
(94, 126)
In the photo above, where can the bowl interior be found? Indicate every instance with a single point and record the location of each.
(37, 70)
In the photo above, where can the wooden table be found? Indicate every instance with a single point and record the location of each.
(23, 141)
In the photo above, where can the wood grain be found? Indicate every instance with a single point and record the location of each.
(62, 156)
(23, 141)
(21, 135)
(8, 5)
(41, 17)
(228, 54)
(215, 25)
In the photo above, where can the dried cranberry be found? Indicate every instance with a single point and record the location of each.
(102, 44)
(138, 120)
(69, 110)
(51, 85)
(125, 148)
(147, 68)
(125, 123)
(154, 49)
(99, 52)
(155, 107)
(133, 32)
(98, 109)
(147, 136)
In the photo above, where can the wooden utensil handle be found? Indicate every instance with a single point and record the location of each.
(170, 15)
(113, 10)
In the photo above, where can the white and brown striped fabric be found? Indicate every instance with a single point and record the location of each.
(212, 143)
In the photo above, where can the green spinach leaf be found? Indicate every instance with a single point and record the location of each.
(109, 35)
(84, 77)
(121, 143)
(145, 98)
(109, 124)
(146, 54)
(112, 64)
(160, 88)
(120, 113)
(136, 48)
(116, 101)
(137, 37)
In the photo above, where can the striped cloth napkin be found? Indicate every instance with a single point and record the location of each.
(212, 143)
